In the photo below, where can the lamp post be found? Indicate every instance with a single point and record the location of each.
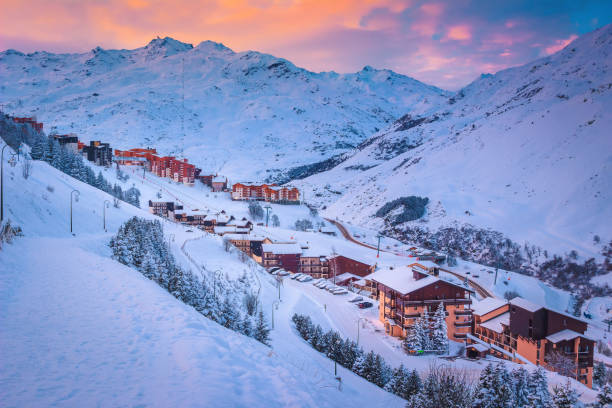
(358, 320)
(268, 208)
(104, 207)
(274, 305)
(379, 236)
(71, 196)
(2, 183)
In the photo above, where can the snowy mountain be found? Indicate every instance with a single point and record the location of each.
(527, 151)
(238, 107)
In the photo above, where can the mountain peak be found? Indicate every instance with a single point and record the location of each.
(169, 45)
(213, 46)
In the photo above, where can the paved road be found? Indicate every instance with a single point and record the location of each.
(477, 287)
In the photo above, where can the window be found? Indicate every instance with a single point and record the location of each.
(564, 322)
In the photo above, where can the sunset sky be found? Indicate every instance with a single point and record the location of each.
(444, 43)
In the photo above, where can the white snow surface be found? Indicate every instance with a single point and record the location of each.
(79, 329)
(526, 151)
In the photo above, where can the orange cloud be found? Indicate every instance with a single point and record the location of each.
(459, 33)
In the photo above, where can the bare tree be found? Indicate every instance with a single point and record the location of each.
(561, 364)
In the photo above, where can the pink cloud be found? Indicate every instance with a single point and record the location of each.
(459, 33)
(560, 44)
(432, 9)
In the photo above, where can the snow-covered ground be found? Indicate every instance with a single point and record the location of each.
(79, 329)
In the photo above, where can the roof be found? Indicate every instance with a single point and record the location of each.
(401, 279)
(487, 305)
(345, 276)
(427, 264)
(219, 179)
(478, 347)
(495, 324)
(525, 304)
(566, 334)
(244, 237)
(282, 248)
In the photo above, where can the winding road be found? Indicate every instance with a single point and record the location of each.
(482, 292)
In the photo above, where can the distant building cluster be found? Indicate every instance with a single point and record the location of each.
(38, 126)
(265, 192)
(178, 170)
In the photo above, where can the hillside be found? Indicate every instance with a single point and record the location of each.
(526, 151)
(238, 107)
(80, 329)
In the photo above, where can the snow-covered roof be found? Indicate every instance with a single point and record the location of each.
(427, 264)
(282, 248)
(345, 276)
(479, 347)
(495, 324)
(360, 282)
(219, 179)
(244, 237)
(242, 223)
(487, 305)
(566, 334)
(401, 279)
(525, 304)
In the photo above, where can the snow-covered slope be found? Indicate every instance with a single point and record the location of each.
(527, 151)
(242, 114)
(80, 329)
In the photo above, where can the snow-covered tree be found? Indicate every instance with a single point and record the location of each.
(564, 396)
(262, 332)
(539, 397)
(418, 336)
(275, 220)
(520, 382)
(599, 374)
(439, 337)
(403, 383)
(604, 397)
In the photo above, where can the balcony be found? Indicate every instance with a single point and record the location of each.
(463, 324)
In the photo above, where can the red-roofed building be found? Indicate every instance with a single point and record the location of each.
(264, 192)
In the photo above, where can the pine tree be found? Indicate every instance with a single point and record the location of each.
(316, 338)
(564, 396)
(604, 398)
(485, 391)
(417, 338)
(334, 346)
(402, 383)
(38, 149)
(439, 339)
(599, 374)
(229, 315)
(246, 326)
(520, 382)
(262, 332)
(504, 395)
(539, 397)
(364, 366)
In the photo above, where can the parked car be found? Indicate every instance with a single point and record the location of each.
(283, 272)
(356, 299)
(274, 268)
(296, 275)
(317, 281)
(305, 278)
(365, 305)
(340, 291)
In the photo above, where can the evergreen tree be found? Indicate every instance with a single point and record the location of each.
(504, 397)
(564, 396)
(364, 366)
(599, 374)
(520, 382)
(334, 346)
(417, 338)
(539, 397)
(38, 149)
(246, 326)
(604, 398)
(262, 332)
(485, 391)
(402, 383)
(439, 338)
(316, 338)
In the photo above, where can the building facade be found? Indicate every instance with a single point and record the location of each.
(265, 192)
(286, 256)
(524, 332)
(405, 294)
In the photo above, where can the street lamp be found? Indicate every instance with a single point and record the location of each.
(77, 198)
(358, 320)
(2, 183)
(279, 280)
(379, 236)
(335, 362)
(274, 305)
(104, 207)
